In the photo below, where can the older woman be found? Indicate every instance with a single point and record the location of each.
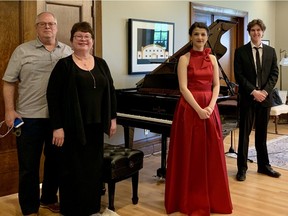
(82, 106)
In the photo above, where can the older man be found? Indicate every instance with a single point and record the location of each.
(27, 74)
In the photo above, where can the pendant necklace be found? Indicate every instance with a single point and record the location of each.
(94, 81)
(86, 67)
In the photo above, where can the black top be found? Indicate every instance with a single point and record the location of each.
(65, 103)
(90, 86)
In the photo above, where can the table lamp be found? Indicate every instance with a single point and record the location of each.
(283, 62)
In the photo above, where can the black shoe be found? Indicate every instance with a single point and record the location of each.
(267, 170)
(241, 175)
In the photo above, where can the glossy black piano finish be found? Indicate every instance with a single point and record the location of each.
(158, 106)
(143, 104)
(156, 95)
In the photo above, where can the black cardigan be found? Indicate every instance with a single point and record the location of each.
(63, 101)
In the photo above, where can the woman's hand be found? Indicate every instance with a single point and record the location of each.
(58, 137)
(113, 127)
(204, 113)
(209, 109)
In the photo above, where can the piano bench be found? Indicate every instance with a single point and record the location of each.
(121, 163)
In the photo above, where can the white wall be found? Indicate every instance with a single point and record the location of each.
(256, 10)
(115, 32)
(116, 13)
(275, 16)
(282, 36)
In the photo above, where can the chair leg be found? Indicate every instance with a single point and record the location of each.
(135, 179)
(111, 194)
(276, 118)
(103, 189)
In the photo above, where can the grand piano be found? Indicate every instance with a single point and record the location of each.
(152, 103)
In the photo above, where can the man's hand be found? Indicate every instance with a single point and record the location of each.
(259, 95)
(10, 117)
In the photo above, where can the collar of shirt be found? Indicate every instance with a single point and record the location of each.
(254, 51)
(253, 45)
(40, 44)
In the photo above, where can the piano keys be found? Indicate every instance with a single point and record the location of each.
(152, 103)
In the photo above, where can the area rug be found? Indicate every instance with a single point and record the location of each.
(277, 150)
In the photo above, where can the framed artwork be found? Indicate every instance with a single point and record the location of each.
(150, 43)
(267, 42)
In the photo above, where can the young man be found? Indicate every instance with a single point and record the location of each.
(27, 73)
(256, 72)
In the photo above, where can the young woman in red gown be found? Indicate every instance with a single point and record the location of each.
(196, 178)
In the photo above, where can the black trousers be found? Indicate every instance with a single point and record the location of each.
(81, 173)
(34, 134)
(257, 116)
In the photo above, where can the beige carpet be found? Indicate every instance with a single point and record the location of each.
(277, 150)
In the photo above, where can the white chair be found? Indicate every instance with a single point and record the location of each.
(280, 109)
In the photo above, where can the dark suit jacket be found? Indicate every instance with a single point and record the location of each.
(245, 73)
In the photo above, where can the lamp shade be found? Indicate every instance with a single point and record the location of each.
(284, 61)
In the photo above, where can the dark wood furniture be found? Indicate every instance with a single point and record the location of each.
(121, 163)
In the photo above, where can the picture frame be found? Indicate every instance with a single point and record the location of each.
(150, 43)
(267, 42)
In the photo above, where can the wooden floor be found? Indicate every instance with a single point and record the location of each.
(258, 195)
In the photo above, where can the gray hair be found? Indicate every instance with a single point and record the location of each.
(45, 12)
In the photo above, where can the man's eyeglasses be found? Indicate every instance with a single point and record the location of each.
(44, 24)
(82, 37)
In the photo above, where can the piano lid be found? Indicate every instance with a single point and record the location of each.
(217, 29)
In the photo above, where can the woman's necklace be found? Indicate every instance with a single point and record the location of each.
(87, 68)
(94, 80)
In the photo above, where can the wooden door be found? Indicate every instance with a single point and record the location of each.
(67, 13)
(17, 24)
(70, 12)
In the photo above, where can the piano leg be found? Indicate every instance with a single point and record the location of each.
(161, 172)
(128, 136)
